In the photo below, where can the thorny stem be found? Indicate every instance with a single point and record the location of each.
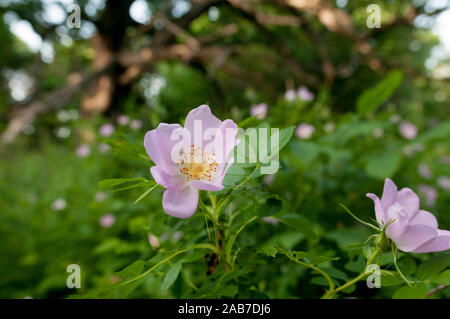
(366, 272)
(435, 290)
(317, 269)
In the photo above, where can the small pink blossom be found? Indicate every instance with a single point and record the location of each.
(153, 240)
(259, 110)
(177, 236)
(410, 228)
(424, 171)
(123, 119)
(304, 131)
(270, 220)
(430, 194)
(329, 127)
(136, 124)
(290, 95)
(103, 148)
(378, 132)
(395, 118)
(83, 151)
(59, 204)
(106, 221)
(305, 94)
(444, 182)
(202, 167)
(268, 179)
(106, 130)
(100, 196)
(408, 130)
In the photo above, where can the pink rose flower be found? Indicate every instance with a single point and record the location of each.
(106, 130)
(378, 132)
(103, 148)
(83, 151)
(107, 220)
(270, 220)
(411, 229)
(136, 124)
(430, 194)
(259, 110)
(304, 131)
(444, 182)
(123, 119)
(408, 130)
(424, 171)
(290, 95)
(153, 240)
(59, 204)
(305, 94)
(268, 179)
(200, 165)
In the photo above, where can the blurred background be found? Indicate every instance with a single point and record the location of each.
(76, 100)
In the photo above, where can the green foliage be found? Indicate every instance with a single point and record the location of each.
(282, 235)
(372, 98)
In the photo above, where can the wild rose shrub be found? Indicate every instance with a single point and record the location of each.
(283, 235)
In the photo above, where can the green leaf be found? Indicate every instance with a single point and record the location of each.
(132, 270)
(416, 292)
(171, 276)
(300, 224)
(433, 266)
(196, 255)
(273, 204)
(369, 100)
(443, 278)
(235, 173)
(438, 132)
(148, 191)
(284, 135)
(108, 183)
(390, 278)
(382, 164)
(268, 251)
(305, 151)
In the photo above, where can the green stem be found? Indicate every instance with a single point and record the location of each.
(330, 293)
(317, 269)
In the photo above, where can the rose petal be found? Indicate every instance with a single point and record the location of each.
(409, 200)
(438, 243)
(389, 194)
(422, 217)
(208, 186)
(399, 218)
(414, 236)
(379, 211)
(180, 203)
(166, 180)
(158, 144)
(203, 114)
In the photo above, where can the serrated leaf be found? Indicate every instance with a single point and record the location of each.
(268, 251)
(433, 266)
(171, 276)
(418, 291)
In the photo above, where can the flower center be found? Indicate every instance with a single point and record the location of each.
(197, 165)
